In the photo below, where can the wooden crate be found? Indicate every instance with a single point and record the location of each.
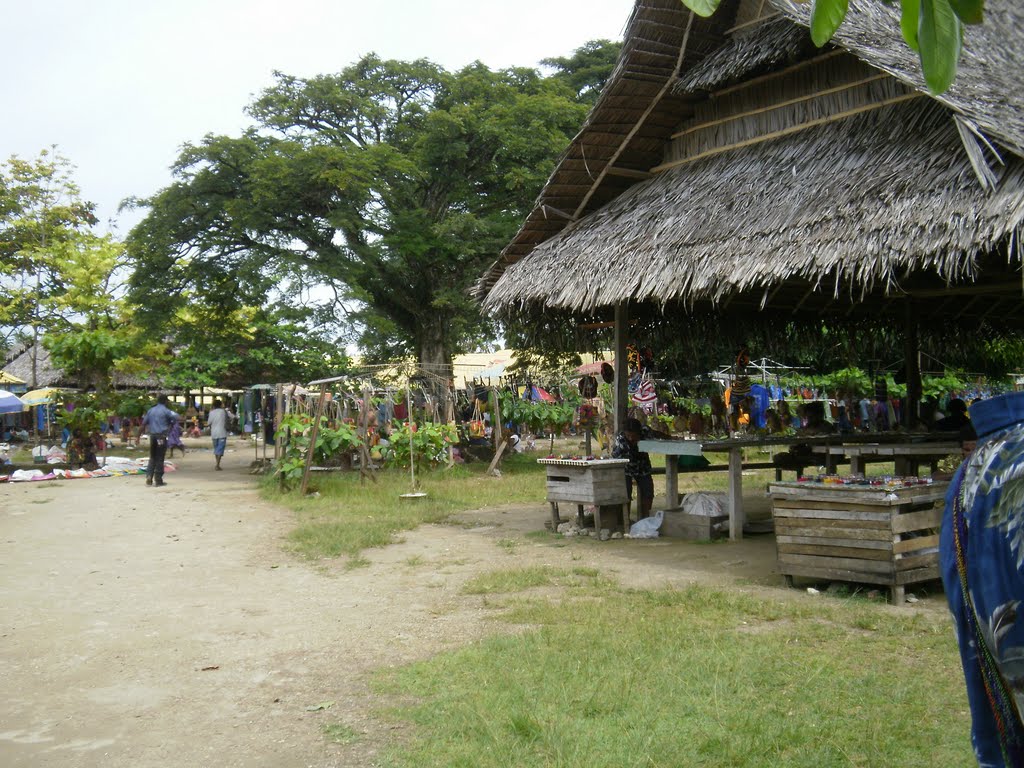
(587, 485)
(684, 525)
(858, 534)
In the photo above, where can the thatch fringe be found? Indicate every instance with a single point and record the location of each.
(758, 49)
(864, 201)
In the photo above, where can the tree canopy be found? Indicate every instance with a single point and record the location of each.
(392, 183)
(41, 211)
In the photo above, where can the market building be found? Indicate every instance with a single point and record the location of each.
(731, 172)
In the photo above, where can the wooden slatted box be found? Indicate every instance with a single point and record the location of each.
(862, 534)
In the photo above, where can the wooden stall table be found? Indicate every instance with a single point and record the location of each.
(598, 482)
(835, 444)
(907, 456)
(734, 447)
(874, 534)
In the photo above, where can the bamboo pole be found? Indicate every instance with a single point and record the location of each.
(278, 415)
(312, 439)
(412, 446)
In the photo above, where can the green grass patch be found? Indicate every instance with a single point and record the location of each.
(520, 579)
(348, 516)
(691, 677)
(339, 733)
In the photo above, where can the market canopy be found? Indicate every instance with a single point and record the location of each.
(10, 403)
(41, 396)
(6, 378)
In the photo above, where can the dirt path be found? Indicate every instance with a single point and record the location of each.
(169, 627)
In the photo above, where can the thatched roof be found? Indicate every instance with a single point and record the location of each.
(876, 199)
(748, 52)
(48, 375)
(861, 218)
(989, 85)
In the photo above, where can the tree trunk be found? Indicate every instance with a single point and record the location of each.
(435, 357)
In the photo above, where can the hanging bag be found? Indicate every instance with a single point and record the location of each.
(477, 428)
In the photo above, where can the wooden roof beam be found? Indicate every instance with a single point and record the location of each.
(629, 173)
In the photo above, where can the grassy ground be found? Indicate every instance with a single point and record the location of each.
(344, 516)
(697, 677)
(587, 675)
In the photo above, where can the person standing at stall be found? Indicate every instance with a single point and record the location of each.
(638, 470)
(218, 422)
(157, 422)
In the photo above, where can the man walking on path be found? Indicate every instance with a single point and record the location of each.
(218, 421)
(157, 422)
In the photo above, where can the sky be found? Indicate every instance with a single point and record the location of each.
(120, 85)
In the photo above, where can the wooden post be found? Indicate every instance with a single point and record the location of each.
(912, 355)
(671, 481)
(496, 431)
(312, 439)
(621, 367)
(364, 434)
(278, 415)
(735, 499)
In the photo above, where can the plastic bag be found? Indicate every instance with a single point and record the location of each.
(647, 527)
(704, 504)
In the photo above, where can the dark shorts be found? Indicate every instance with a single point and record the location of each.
(644, 486)
(219, 444)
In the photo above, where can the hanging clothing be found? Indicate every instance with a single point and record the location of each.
(759, 406)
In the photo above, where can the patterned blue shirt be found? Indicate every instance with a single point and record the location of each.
(982, 548)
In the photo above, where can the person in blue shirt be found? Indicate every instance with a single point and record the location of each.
(157, 422)
(981, 557)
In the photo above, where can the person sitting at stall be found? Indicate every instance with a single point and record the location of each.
(638, 471)
(956, 419)
(81, 451)
(814, 419)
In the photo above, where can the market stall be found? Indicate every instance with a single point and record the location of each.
(876, 531)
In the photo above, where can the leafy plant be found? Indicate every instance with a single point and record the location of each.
(332, 440)
(87, 415)
(537, 416)
(430, 442)
(937, 386)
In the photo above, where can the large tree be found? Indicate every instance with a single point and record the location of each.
(41, 213)
(393, 183)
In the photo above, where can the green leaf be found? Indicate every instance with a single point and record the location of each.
(969, 11)
(939, 40)
(702, 7)
(909, 21)
(826, 16)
